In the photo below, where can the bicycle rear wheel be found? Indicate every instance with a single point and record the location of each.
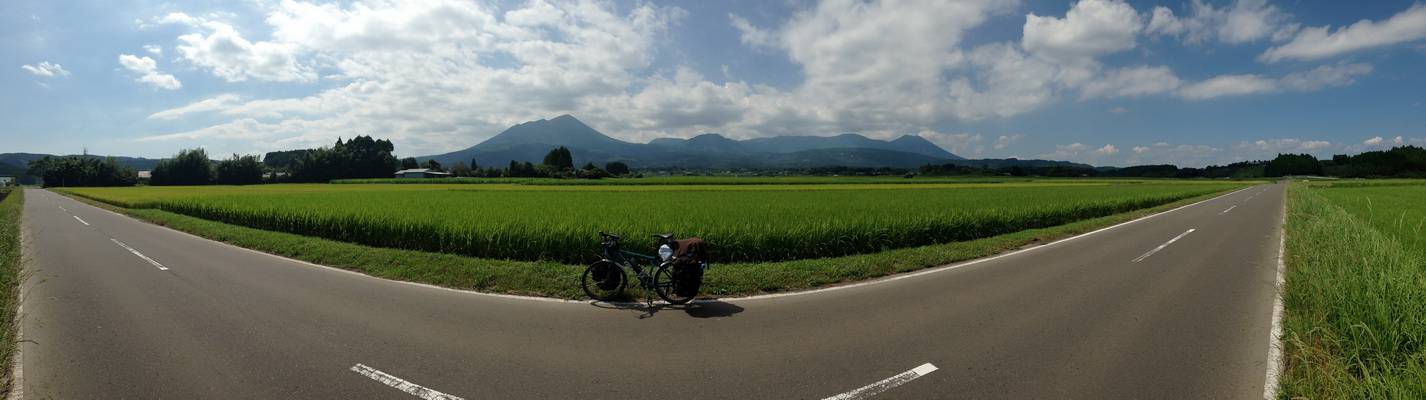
(603, 280)
(668, 287)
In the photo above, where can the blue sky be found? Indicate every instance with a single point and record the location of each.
(1099, 81)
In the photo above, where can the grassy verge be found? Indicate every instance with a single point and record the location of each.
(1355, 304)
(552, 279)
(11, 205)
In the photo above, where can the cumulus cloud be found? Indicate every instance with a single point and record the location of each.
(1108, 149)
(148, 72)
(1091, 28)
(154, 49)
(1005, 140)
(224, 52)
(1374, 141)
(1322, 42)
(751, 35)
(46, 69)
(1240, 22)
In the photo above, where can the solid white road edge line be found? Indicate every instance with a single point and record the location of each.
(76, 218)
(886, 384)
(1229, 209)
(1274, 370)
(137, 253)
(892, 278)
(401, 384)
(1166, 244)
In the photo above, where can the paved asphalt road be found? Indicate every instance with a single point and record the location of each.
(1076, 319)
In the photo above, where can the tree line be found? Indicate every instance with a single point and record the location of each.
(1397, 162)
(558, 163)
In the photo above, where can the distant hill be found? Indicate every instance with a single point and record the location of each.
(22, 160)
(531, 140)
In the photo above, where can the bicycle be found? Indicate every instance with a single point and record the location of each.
(605, 279)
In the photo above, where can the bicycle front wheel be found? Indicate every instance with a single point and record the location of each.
(668, 286)
(603, 280)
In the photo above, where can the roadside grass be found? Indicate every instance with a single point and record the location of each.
(559, 280)
(11, 206)
(1355, 301)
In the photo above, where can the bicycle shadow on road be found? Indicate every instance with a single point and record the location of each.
(702, 308)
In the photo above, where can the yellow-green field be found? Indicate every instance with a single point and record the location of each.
(745, 223)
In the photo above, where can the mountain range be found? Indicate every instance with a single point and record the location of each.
(530, 141)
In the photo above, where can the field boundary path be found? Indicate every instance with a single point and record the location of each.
(123, 309)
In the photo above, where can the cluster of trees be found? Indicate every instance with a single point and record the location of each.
(193, 167)
(82, 171)
(558, 163)
(1403, 162)
(360, 157)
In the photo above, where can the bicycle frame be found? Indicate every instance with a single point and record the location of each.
(633, 261)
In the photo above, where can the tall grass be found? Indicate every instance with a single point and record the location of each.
(1355, 321)
(11, 206)
(774, 223)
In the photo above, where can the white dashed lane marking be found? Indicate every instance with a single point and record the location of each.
(401, 384)
(137, 253)
(1162, 246)
(886, 384)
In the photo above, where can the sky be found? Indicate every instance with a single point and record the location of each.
(1105, 82)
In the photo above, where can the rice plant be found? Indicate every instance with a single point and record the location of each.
(744, 223)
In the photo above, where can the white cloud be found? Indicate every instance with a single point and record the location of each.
(154, 49)
(1305, 81)
(1005, 140)
(1326, 76)
(1228, 85)
(1141, 149)
(1271, 147)
(218, 103)
(1241, 22)
(1374, 141)
(1091, 28)
(148, 72)
(46, 69)
(225, 53)
(1320, 42)
(1132, 82)
(1108, 149)
(751, 35)
(962, 144)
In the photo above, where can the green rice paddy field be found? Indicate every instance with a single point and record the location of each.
(744, 223)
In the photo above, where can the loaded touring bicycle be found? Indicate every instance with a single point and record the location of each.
(675, 274)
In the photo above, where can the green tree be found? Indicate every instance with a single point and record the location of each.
(1293, 164)
(559, 159)
(239, 170)
(82, 171)
(617, 168)
(410, 163)
(189, 167)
